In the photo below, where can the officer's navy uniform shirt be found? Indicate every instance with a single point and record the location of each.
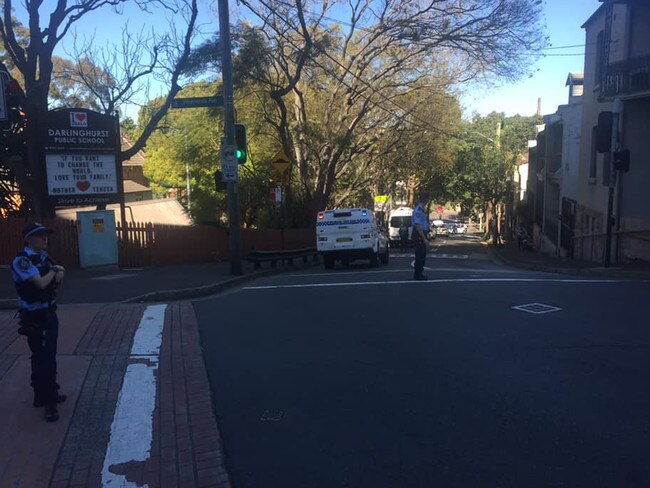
(27, 264)
(420, 217)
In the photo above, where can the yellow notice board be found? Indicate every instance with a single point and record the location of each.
(98, 225)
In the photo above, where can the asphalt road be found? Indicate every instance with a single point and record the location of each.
(362, 377)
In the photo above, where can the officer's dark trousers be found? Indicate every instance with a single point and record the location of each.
(43, 347)
(420, 255)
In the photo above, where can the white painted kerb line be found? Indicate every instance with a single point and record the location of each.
(132, 427)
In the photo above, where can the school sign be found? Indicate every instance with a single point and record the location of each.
(81, 150)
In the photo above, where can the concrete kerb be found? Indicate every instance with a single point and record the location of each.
(189, 293)
(212, 289)
(499, 259)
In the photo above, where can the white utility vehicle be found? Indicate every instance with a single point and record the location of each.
(400, 217)
(347, 234)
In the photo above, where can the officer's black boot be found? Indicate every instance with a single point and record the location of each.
(51, 413)
(38, 402)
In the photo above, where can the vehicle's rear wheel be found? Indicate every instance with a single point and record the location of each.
(374, 259)
(385, 256)
(329, 262)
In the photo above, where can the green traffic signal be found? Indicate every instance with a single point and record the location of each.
(241, 143)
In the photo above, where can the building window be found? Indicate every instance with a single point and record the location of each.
(593, 158)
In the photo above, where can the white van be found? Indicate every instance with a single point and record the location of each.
(347, 234)
(399, 217)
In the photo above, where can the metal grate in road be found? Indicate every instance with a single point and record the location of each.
(537, 308)
(272, 416)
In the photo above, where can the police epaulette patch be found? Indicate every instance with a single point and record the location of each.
(24, 263)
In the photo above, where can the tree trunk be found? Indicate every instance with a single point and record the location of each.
(495, 223)
(35, 158)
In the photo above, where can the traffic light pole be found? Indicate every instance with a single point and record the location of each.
(616, 114)
(229, 135)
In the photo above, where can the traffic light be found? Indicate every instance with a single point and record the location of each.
(241, 143)
(13, 99)
(14, 94)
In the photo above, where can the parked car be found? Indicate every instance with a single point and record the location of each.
(449, 225)
(438, 227)
(460, 227)
(347, 234)
(400, 218)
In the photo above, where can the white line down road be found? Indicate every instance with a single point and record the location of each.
(132, 427)
(449, 280)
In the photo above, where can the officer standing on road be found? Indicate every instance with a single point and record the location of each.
(36, 278)
(420, 222)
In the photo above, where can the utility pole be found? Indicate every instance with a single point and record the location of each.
(229, 135)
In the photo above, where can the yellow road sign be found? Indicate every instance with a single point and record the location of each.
(280, 162)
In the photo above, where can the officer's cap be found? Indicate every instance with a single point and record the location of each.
(34, 229)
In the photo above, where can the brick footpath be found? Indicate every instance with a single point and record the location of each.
(186, 446)
(108, 340)
(7, 336)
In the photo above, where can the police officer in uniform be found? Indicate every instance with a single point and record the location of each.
(36, 277)
(420, 221)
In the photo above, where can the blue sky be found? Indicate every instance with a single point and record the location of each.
(563, 21)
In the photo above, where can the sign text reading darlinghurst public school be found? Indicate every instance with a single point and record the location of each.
(78, 136)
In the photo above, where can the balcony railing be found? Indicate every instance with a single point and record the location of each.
(626, 78)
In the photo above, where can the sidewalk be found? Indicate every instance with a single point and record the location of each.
(141, 285)
(509, 255)
(139, 408)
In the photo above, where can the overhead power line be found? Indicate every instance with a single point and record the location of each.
(341, 80)
(372, 31)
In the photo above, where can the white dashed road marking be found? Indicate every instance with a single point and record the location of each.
(132, 427)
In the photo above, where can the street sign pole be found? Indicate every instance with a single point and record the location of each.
(229, 133)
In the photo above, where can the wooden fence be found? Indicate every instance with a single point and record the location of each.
(63, 246)
(146, 244)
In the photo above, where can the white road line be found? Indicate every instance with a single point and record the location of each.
(132, 427)
(450, 280)
(408, 270)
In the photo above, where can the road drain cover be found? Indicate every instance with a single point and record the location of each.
(271, 416)
(537, 308)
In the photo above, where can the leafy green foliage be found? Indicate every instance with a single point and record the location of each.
(486, 159)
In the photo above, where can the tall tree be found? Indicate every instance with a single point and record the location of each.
(486, 160)
(188, 141)
(340, 81)
(32, 55)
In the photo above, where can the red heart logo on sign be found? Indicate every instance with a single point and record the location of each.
(80, 116)
(83, 185)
